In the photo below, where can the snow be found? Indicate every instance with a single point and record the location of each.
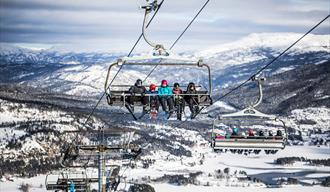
(320, 116)
(6, 49)
(274, 40)
(317, 175)
(324, 97)
(284, 69)
(83, 74)
(252, 164)
(8, 133)
(194, 188)
(169, 164)
(89, 79)
(15, 112)
(32, 145)
(18, 120)
(260, 47)
(224, 105)
(38, 184)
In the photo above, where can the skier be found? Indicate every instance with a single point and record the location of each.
(165, 96)
(261, 133)
(137, 88)
(71, 186)
(279, 133)
(192, 99)
(250, 133)
(270, 133)
(179, 102)
(153, 101)
(235, 131)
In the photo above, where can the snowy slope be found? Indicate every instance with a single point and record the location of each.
(84, 73)
(36, 129)
(204, 160)
(310, 119)
(173, 150)
(246, 49)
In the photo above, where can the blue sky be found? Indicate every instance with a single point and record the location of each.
(114, 25)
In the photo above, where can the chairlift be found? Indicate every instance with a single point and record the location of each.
(62, 180)
(115, 143)
(80, 180)
(118, 95)
(249, 118)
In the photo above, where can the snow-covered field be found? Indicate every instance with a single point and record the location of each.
(174, 152)
(194, 188)
(212, 177)
(252, 165)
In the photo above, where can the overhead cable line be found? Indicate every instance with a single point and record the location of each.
(264, 67)
(179, 37)
(129, 54)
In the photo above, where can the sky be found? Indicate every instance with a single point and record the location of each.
(114, 25)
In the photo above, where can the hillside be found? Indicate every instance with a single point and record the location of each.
(46, 92)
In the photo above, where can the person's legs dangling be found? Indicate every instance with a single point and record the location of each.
(163, 103)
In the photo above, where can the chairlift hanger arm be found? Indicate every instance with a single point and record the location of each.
(259, 82)
(248, 112)
(160, 50)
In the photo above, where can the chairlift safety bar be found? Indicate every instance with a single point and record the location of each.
(119, 62)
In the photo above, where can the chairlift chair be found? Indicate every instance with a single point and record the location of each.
(117, 95)
(61, 180)
(245, 144)
(116, 143)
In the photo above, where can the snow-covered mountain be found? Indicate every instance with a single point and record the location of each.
(265, 46)
(255, 46)
(10, 54)
(44, 92)
(84, 73)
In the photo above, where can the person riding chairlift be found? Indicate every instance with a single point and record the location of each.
(153, 100)
(261, 133)
(234, 132)
(250, 133)
(137, 88)
(165, 96)
(192, 99)
(279, 133)
(179, 102)
(270, 133)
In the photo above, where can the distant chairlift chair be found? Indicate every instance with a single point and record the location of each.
(249, 144)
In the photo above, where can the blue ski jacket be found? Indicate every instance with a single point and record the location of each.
(163, 91)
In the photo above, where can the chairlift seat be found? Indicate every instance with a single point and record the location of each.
(249, 143)
(120, 98)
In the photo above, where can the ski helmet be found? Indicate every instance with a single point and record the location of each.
(152, 87)
(138, 82)
(176, 85)
(164, 82)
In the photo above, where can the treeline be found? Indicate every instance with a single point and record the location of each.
(326, 182)
(29, 123)
(28, 167)
(49, 135)
(179, 179)
(291, 160)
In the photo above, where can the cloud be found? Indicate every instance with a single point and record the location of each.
(115, 25)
